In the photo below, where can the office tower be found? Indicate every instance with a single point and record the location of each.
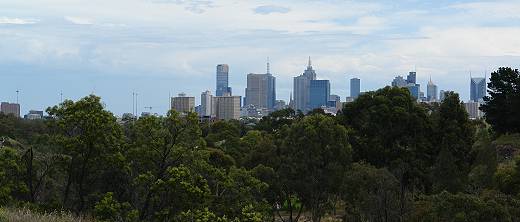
(34, 114)
(431, 91)
(355, 85)
(442, 95)
(414, 90)
(411, 78)
(183, 103)
(399, 81)
(473, 110)
(319, 93)
(205, 103)
(10, 108)
(477, 89)
(226, 107)
(222, 80)
(260, 91)
(302, 88)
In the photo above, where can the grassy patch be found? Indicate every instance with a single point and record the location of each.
(26, 215)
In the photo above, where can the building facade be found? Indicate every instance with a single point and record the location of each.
(226, 107)
(355, 87)
(261, 91)
(414, 89)
(183, 103)
(222, 80)
(206, 100)
(301, 88)
(477, 89)
(411, 78)
(319, 93)
(10, 109)
(431, 91)
(399, 81)
(473, 109)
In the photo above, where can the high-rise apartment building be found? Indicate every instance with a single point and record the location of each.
(477, 89)
(261, 91)
(319, 93)
(10, 108)
(302, 88)
(355, 85)
(183, 103)
(222, 80)
(431, 91)
(206, 100)
(226, 107)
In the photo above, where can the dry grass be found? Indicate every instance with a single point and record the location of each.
(26, 215)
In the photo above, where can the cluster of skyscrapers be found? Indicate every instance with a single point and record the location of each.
(309, 93)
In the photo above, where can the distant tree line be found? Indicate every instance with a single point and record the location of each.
(383, 157)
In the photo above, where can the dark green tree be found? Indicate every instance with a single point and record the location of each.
(314, 157)
(502, 105)
(91, 138)
(389, 129)
(454, 137)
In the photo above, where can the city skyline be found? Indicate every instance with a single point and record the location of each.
(159, 48)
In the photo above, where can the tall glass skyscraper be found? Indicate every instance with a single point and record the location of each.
(223, 80)
(319, 93)
(477, 89)
(355, 85)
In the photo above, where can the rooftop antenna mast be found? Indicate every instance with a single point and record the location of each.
(268, 66)
(17, 92)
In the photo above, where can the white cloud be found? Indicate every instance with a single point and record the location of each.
(79, 20)
(17, 21)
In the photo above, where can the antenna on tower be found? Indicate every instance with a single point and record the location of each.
(17, 92)
(310, 63)
(268, 68)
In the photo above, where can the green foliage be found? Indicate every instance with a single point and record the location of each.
(288, 168)
(314, 156)
(454, 137)
(502, 105)
(371, 194)
(390, 130)
(463, 207)
(11, 182)
(91, 138)
(109, 209)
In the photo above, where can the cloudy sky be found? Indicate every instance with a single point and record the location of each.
(162, 47)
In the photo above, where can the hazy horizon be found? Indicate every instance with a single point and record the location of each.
(164, 47)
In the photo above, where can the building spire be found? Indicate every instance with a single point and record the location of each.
(310, 63)
(268, 66)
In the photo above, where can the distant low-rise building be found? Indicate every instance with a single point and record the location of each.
(10, 109)
(33, 114)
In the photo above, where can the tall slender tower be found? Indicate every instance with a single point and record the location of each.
(431, 91)
(223, 80)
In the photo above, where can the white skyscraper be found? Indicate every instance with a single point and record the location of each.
(206, 100)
